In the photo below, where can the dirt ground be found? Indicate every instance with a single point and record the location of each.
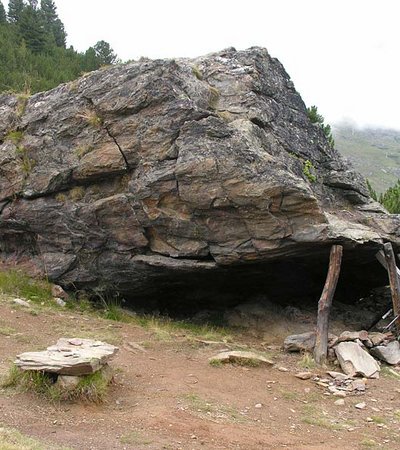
(169, 397)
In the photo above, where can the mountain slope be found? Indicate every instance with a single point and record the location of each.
(375, 152)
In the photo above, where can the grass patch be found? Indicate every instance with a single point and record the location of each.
(77, 193)
(22, 102)
(15, 136)
(197, 73)
(388, 372)
(134, 438)
(312, 416)
(212, 411)
(92, 118)
(307, 362)
(368, 443)
(11, 439)
(289, 395)
(91, 388)
(309, 171)
(396, 414)
(216, 363)
(19, 284)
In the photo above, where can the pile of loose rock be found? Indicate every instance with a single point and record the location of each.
(355, 351)
(69, 360)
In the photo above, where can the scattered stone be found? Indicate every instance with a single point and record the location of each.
(58, 292)
(361, 405)
(69, 357)
(340, 394)
(258, 405)
(60, 301)
(283, 369)
(240, 357)
(338, 375)
(389, 353)
(68, 382)
(132, 346)
(356, 361)
(369, 419)
(339, 402)
(353, 335)
(303, 375)
(20, 302)
(304, 342)
(358, 385)
(376, 338)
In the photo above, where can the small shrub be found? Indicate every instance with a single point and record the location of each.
(308, 169)
(197, 73)
(15, 136)
(22, 100)
(61, 198)
(92, 118)
(77, 193)
(317, 118)
(213, 97)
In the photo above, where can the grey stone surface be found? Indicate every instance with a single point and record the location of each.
(389, 353)
(355, 361)
(137, 173)
(241, 357)
(70, 356)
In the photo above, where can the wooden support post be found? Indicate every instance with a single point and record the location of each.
(325, 302)
(393, 280)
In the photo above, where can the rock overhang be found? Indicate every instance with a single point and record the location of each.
(157, 175)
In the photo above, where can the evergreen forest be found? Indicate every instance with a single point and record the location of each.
(34, 56)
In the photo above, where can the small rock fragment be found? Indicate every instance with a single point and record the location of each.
(58, 292)
(303, 375)
(361, 405)
(258, 405)
(20, 302)
(60, 302)
(240, 357)
(283, 369)
(339, 402)
(338, 375)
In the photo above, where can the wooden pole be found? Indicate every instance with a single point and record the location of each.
(325, 302)
(393, 280)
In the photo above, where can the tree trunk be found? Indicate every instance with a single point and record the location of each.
(394, 281)
(325, 302)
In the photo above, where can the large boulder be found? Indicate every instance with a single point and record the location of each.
(176, 174)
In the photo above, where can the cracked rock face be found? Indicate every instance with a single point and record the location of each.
(158, 174)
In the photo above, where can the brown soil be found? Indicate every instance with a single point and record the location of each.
(169, 397)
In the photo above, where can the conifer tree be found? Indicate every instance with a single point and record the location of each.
(32, 29)
(3, 16)
(15, 8)
(52, 22)
(104, 53)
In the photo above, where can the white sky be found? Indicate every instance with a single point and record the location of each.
(343, 55)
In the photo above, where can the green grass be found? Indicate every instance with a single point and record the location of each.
(307, 362)
(134, 438)
(91, 388)
(19, 284)
(11, 439)
(388, 372)
(313, 416)
(211, 410)
(14, 136)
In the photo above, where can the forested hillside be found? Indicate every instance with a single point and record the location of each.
(33, 52)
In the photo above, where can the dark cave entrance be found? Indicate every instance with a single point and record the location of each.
(296, 281)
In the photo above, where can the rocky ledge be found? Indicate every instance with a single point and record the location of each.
(183, 177)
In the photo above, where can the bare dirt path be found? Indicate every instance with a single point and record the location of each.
(169, 397)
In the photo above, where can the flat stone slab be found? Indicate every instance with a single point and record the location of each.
(389, 353)
(240, 357)
(69, 356)
(355, 361)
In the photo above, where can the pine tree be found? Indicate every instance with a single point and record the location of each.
(32, 29)
(104, 53)
(52, 22)
(15, 8)
(3, 16)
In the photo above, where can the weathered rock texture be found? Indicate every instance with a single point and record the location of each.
(171, 174)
